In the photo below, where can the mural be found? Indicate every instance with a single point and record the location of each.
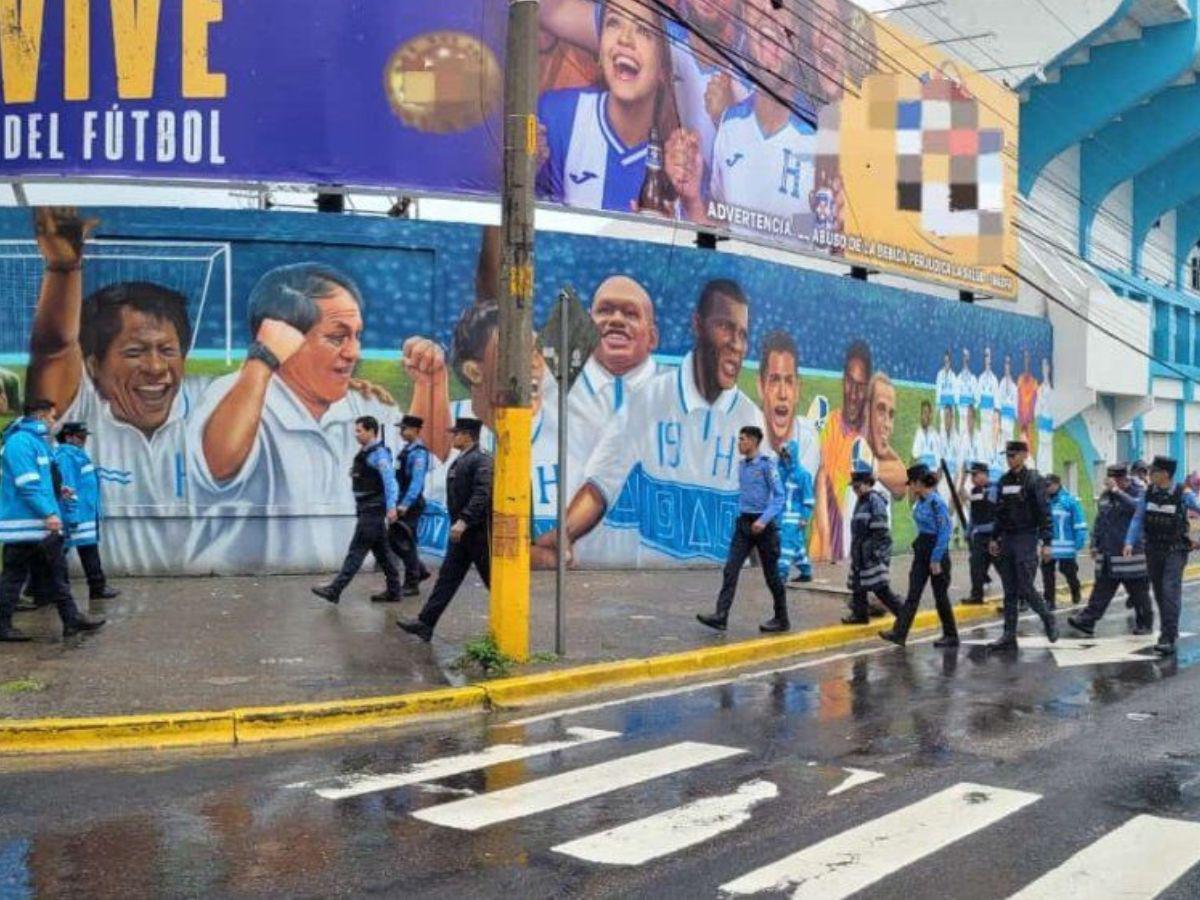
(138, 322)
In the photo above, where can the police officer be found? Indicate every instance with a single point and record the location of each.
(469, 501)
(1022, 520)
(412, 465)
(1113, 569)
(81, 506)
(31, 524)
(1162, 513)
(1069, 526)
(760, 503)
(870, 549)
(982, 499)
(931, 559)
(375, 496)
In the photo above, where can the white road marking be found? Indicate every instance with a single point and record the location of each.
(1085, 651)
(854, 778)
(671, 831)
(543, 794)
(356, 785)
(846, 863)
(1141, 859)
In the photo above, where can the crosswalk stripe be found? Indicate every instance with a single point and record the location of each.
(356, 785)
(850, 861)
(473, 813)
(671, 831)
(1141, 859)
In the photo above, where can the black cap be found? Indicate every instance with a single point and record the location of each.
(1016, 447)
(917, 472)
(862, 476)
(73, 429)
(979, 466)
(1139, 465)
(411, 422)
(467, 424)
(1053, 479)
(1120, 470)
(1163, 464)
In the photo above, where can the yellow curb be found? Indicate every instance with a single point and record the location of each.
(306, 720)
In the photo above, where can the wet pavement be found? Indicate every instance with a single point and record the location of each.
(215, 643)
(897, 773)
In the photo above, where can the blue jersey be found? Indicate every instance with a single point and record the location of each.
(82, 511)
(588, 166)
(1069, 524)
(27, 495)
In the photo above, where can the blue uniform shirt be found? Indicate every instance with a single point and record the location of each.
(760, 490)
(379, 458)
(419, 457)
(1139, 515)
(932, 516)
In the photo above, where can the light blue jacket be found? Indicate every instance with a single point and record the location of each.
(27, 494)
(81, 513)
(1069, 524)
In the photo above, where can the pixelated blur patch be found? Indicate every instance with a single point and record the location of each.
(443, 82)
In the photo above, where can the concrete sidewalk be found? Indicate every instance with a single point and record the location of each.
(201, 644)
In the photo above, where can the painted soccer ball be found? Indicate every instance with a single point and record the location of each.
(818, 411)
(443, 82)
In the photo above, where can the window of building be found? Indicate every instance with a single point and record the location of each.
(1124, 446)
(1194, 272)
(1183, 336)
(1162, 331)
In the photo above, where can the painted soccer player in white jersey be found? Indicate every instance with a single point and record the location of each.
(966, 387)
(761, 169)
(674, 447)
(704, 88)
(115, 361)
(987, 392)
(926, 446)
(594, 141)
(1044, 417)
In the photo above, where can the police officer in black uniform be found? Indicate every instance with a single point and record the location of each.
(982, 498)
(1022, 521)
(870, 550)
(1162, 513)
(1115, 510)
(469, 499)
(412, 465)
(375, 496)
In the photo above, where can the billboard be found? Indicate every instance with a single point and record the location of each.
(210, 463)
(816, 126)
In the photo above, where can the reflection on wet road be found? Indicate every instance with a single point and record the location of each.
(875, 770)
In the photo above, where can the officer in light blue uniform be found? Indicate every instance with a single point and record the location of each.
(1070, 535)
(31, 525)
(799, 499)
(81, 506)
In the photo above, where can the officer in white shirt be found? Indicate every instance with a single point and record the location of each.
(115, 362)
(674, 446)
(274, 440)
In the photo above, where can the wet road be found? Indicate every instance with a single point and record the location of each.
(884, 772)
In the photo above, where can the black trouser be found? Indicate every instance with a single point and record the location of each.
(980, 559)
(472, 548)
(1166, 578)
(767, 542)
(402, 535)
(860, 609)
(21, 561)
(918, 576)
(1105, 587)
(1070, 570)
(93, 571)
(370, 536)
(1018, 565)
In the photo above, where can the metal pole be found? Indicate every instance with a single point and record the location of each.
(560, 586)
(511, 501)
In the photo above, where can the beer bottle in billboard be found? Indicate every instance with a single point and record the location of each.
(655, 195)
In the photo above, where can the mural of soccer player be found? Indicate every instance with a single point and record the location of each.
(1027, 388)
(967, 385)
(278, 434)
(674, 446)
(842, 443)
(890, 470)
(115, 361)
(1006, 399)
(1044, 415)
(926, 448)
(987, 395)
(594, 142)
(704, 88)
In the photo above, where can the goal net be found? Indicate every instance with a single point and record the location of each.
(198, 270)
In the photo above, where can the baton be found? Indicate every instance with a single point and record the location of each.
(962, 517)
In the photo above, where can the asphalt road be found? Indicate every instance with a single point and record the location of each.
(877, 772)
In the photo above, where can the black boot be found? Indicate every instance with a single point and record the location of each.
(11, 635)
(383, 597)
(1081, 626)
(103, 592)
(416, 627)
(715, 622)
(1006, 642)
(82, 624)
(326, 592)
(775, 626)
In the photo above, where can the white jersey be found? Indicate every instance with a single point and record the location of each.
(927, 447)
(666, 467)
(966, 386)
(808, 440)
(946, 389)
(692, 75)
(595, 398)
(987, 391)
(761, 183)
(1044, 417)
(146, 483)
(974, 448)
(951, 450)
(290, 506)
(1006, 397)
